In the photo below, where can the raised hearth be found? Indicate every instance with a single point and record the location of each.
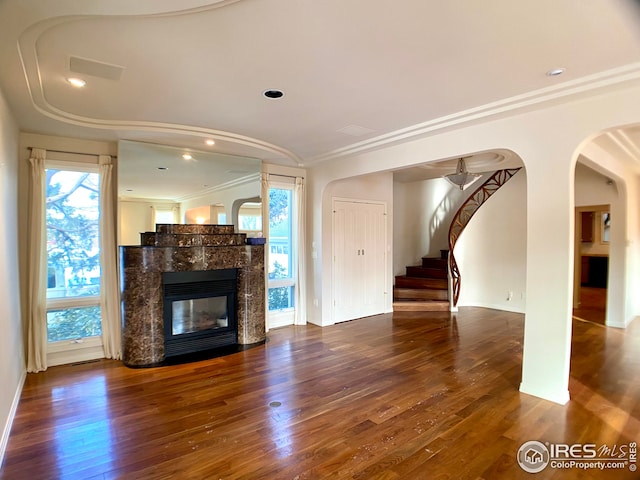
(146, 270)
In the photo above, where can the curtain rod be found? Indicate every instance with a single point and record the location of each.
(71, 153)
(286, 176)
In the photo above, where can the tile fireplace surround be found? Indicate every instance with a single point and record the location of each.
(183, 248)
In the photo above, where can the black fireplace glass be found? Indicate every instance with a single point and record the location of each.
(197, 314)
(200, 310)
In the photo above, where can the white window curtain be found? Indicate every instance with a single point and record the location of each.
(265, 205)
(300, 204)
(109, 297)
(36, 314)
(265, 234)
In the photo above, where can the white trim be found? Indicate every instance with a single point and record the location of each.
(72, 351)
(282, 282)
(280, 318)
(220, 187)
(6, 431)
(492, 306)
(283, 317)
(508, 106)
(69, 166)
(621, 325)
(59, 303)
(358, 200)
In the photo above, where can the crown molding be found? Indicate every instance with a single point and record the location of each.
(238, 182)
(510, 106)
(28, 57)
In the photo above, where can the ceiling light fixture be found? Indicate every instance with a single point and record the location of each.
(187, 156)
(76, 82)
(555, 72)
(273, 93)
(210, 142)
(462, 178)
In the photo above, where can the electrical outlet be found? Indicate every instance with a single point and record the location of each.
(509, 296)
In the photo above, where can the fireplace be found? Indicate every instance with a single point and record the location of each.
(212, 278)
(199, 310)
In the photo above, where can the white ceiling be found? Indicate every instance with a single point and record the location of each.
(159, 172)
(356, 74)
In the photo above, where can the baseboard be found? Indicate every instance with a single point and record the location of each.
(622, 325)
(495, 306)
(4, 440)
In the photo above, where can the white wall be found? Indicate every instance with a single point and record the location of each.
(548, 137)
(592, 187)
(492, 251)
(227, 197)
(136, 216)
(423, 211)
(12, 363)
(422, 215)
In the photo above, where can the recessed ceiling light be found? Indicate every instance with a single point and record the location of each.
(273, 93)
(555, 72)
(76, 82)
(187, 156)
(210, 142)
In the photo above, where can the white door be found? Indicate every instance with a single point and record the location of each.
(359, 261)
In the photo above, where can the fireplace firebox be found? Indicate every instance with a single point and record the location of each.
(199, 310)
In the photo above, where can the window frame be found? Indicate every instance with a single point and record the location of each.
(284, 316)
(85, 348)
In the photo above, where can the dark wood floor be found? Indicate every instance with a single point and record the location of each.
(402, 396)
(593, 305)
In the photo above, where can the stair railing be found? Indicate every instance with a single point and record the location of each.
(464, 214)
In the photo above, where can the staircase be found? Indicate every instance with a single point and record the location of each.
(424, 288)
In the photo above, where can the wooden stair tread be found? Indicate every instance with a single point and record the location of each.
(421, 306)
(400, 294)
(404, 281)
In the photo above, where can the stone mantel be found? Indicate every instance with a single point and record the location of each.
(180, 248)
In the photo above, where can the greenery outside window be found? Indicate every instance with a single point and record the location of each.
(281, 262)
(73, 253)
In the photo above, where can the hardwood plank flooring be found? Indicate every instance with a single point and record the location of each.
(593, 305)
(409, 395)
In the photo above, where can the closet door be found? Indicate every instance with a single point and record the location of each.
(359, 261)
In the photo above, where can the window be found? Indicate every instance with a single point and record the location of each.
(281, 263)
(73, 253)
(250, 217)
(165, 215)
